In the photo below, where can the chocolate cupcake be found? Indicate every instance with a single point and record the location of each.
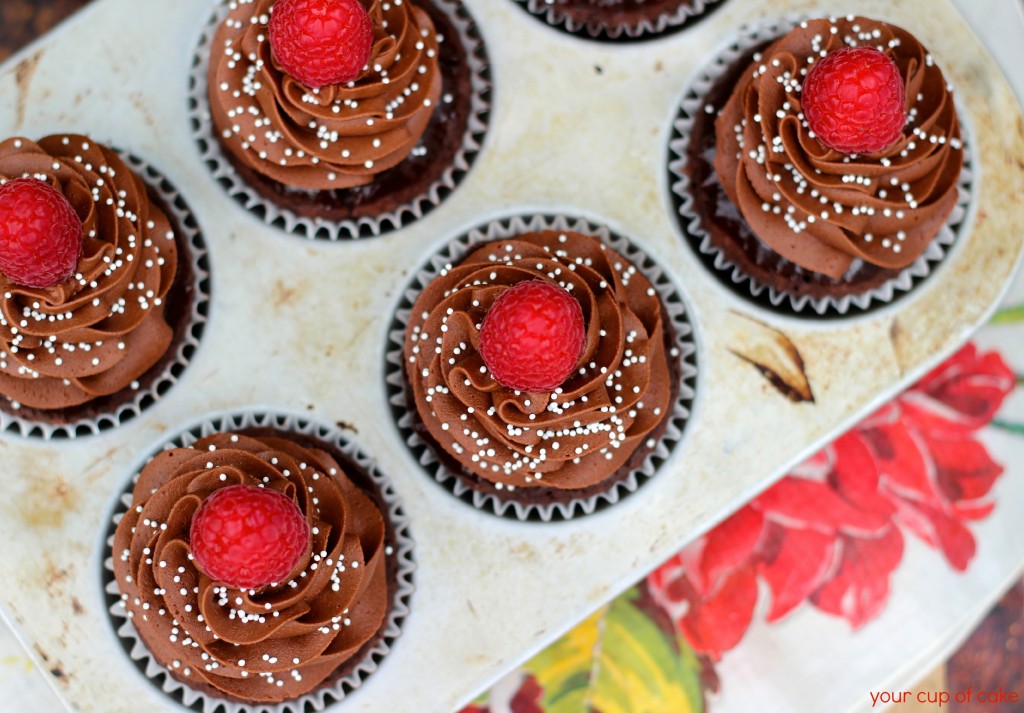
(620, 20)
(794, 217)
(342, 151)
(101, 340)
(575, 393)
(267, 563)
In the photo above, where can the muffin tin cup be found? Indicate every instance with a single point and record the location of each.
(291, 222)
(646, 28)
(690, 223)
(189, 237)
(684, 350)
(402, 551)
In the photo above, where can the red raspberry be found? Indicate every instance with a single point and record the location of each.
(855, 101)
(248, 537)
(321, 41)
(532, 336)
(40, 233)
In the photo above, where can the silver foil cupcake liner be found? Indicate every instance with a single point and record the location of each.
(191, 238)
(732, 275)
(288, 220)
(684, 350)
(401, 550)
(645, 28)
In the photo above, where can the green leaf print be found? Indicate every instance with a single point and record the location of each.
(1009, 315)
(619, 661)
(1015, 428)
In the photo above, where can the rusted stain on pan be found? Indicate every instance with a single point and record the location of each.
(776, 357)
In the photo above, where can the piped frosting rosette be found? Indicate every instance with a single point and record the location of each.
(833, 208)
(542, 455)
(88, 353)
(822, 216)
(326, 157)
(361, 128)
(309, 639)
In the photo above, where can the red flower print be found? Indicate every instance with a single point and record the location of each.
(933, 469)
(831, 532)
(962, 395)
(527, 699)
(858, 589)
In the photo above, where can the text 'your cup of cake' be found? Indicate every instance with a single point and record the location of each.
(541, 367)
(340, 119)
(823, 172)
(103, 287)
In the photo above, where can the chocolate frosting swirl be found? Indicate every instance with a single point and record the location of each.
(337, 136)
(269, 645)
(96, 333)
(582, 433)
(815, 206)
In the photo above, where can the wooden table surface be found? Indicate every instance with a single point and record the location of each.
(21, 21)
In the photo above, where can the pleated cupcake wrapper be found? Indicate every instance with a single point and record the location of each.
(692, 104)
(319, 699)
(646, 28)
(452, 254)
(365, 226)
(189, 235)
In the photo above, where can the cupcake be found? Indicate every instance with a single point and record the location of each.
(620, 19)
(97, 283)
(259, 566)
(339, 116)
(543, 370)
(834, 163)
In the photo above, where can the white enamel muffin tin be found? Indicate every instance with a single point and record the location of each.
(577, 127)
